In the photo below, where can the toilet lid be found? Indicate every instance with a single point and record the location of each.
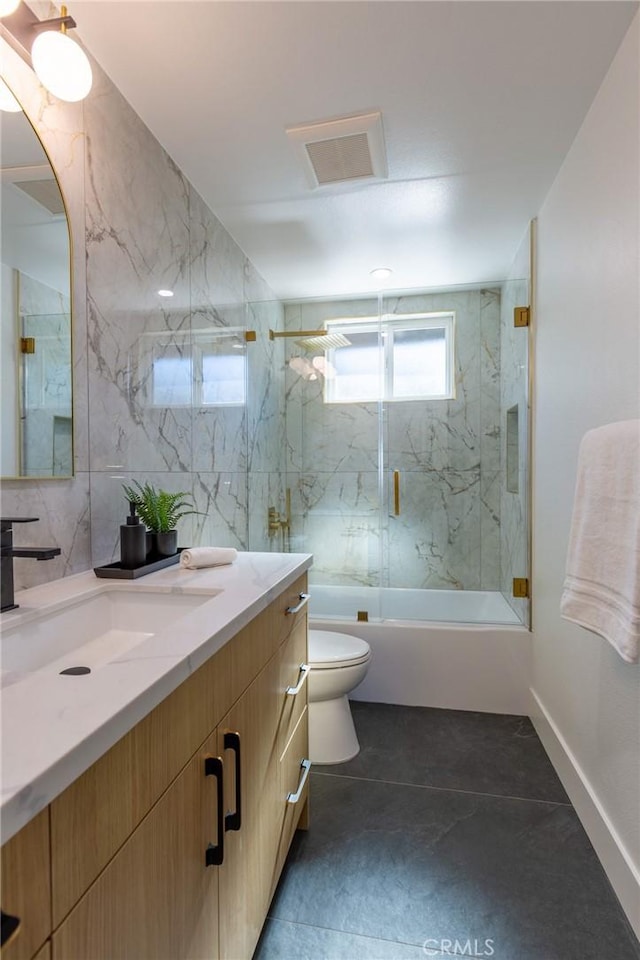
(328, 650)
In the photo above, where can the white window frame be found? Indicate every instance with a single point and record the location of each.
(388, 324)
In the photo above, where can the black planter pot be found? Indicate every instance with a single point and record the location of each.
(152, 544)
(167, 543)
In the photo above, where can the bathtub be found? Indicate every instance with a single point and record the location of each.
(462, 650)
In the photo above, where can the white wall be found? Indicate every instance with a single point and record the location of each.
(586, 700)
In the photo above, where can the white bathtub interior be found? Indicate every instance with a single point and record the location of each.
(477, 663)
(395, 603)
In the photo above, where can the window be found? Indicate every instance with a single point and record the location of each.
(206, 367)
(406, 357)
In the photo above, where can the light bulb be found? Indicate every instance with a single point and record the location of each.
(61, 65)
(8, 102)
(8, 6)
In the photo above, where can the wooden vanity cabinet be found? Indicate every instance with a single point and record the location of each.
(26, 888)
(135, 839)
(157, 899)
(258, 723)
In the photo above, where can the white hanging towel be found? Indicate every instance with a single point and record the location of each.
(602, 583)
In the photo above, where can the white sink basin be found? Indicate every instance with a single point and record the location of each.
(89, 631)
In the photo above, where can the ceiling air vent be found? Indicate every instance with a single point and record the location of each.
(44, 192)
(340, 151)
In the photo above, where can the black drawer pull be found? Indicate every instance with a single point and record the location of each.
(214, 855)
(9, 927)
(233, 821)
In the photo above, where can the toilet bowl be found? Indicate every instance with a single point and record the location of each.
(338, 663)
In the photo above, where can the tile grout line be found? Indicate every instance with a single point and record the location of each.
(426, 786)
(350, 933)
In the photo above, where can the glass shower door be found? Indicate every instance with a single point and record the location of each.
(450, 522)
(333, 460)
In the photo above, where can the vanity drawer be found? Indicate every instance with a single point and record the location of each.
(253, 647)
(290, 775)
(293, 657)
(26, 887)
(284, 623)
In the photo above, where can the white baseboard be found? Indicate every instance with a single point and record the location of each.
(623, 875)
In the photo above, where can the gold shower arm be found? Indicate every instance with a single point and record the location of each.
(275, 334)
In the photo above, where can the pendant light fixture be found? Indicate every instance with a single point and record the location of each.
(8, 6)
(60, 63)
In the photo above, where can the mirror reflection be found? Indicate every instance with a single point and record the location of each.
(35, 325)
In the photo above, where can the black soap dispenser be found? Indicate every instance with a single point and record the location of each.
(133, 541)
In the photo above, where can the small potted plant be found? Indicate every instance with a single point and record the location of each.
(160, 511)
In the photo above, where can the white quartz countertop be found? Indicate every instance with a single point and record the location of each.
(54, 728)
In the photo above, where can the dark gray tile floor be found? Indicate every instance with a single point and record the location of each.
(449, 834)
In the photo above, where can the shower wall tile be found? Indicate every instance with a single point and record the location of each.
(340, 436)
(265, 389)
(62, 508)
(220, 438)
(137, 242)
(217, 263)
(490, 439)
(447, 452)
(266, 490)
(435, 542)
(350, 555)
(336, 516)
(222, 500)
(142, 228)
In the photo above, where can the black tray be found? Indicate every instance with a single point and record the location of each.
(115, 571)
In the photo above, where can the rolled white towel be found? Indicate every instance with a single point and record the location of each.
(196, 557)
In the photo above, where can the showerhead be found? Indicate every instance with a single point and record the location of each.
(311, 340)
(326, 341)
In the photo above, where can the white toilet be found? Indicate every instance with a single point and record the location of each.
(338, 663)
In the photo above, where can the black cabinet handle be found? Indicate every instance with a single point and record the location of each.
(9, 927)
(214, 855)
(233, 821)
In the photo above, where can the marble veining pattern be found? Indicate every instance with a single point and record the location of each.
(115, 696)
(448, 453)
(142, 228)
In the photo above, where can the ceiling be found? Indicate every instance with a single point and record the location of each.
(480, 103)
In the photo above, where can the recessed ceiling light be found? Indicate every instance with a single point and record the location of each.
(381, 273)
(165, 293)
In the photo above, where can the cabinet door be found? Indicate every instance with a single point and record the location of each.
(251, 840)
(26, 887)
(157, 898)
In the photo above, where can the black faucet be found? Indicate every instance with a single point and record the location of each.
(8, 552)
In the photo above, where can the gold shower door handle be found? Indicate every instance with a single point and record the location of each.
(396, 493)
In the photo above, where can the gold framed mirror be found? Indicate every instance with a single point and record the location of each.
(36, 426)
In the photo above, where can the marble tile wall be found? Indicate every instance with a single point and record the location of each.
(447, 451)
(138, 225)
